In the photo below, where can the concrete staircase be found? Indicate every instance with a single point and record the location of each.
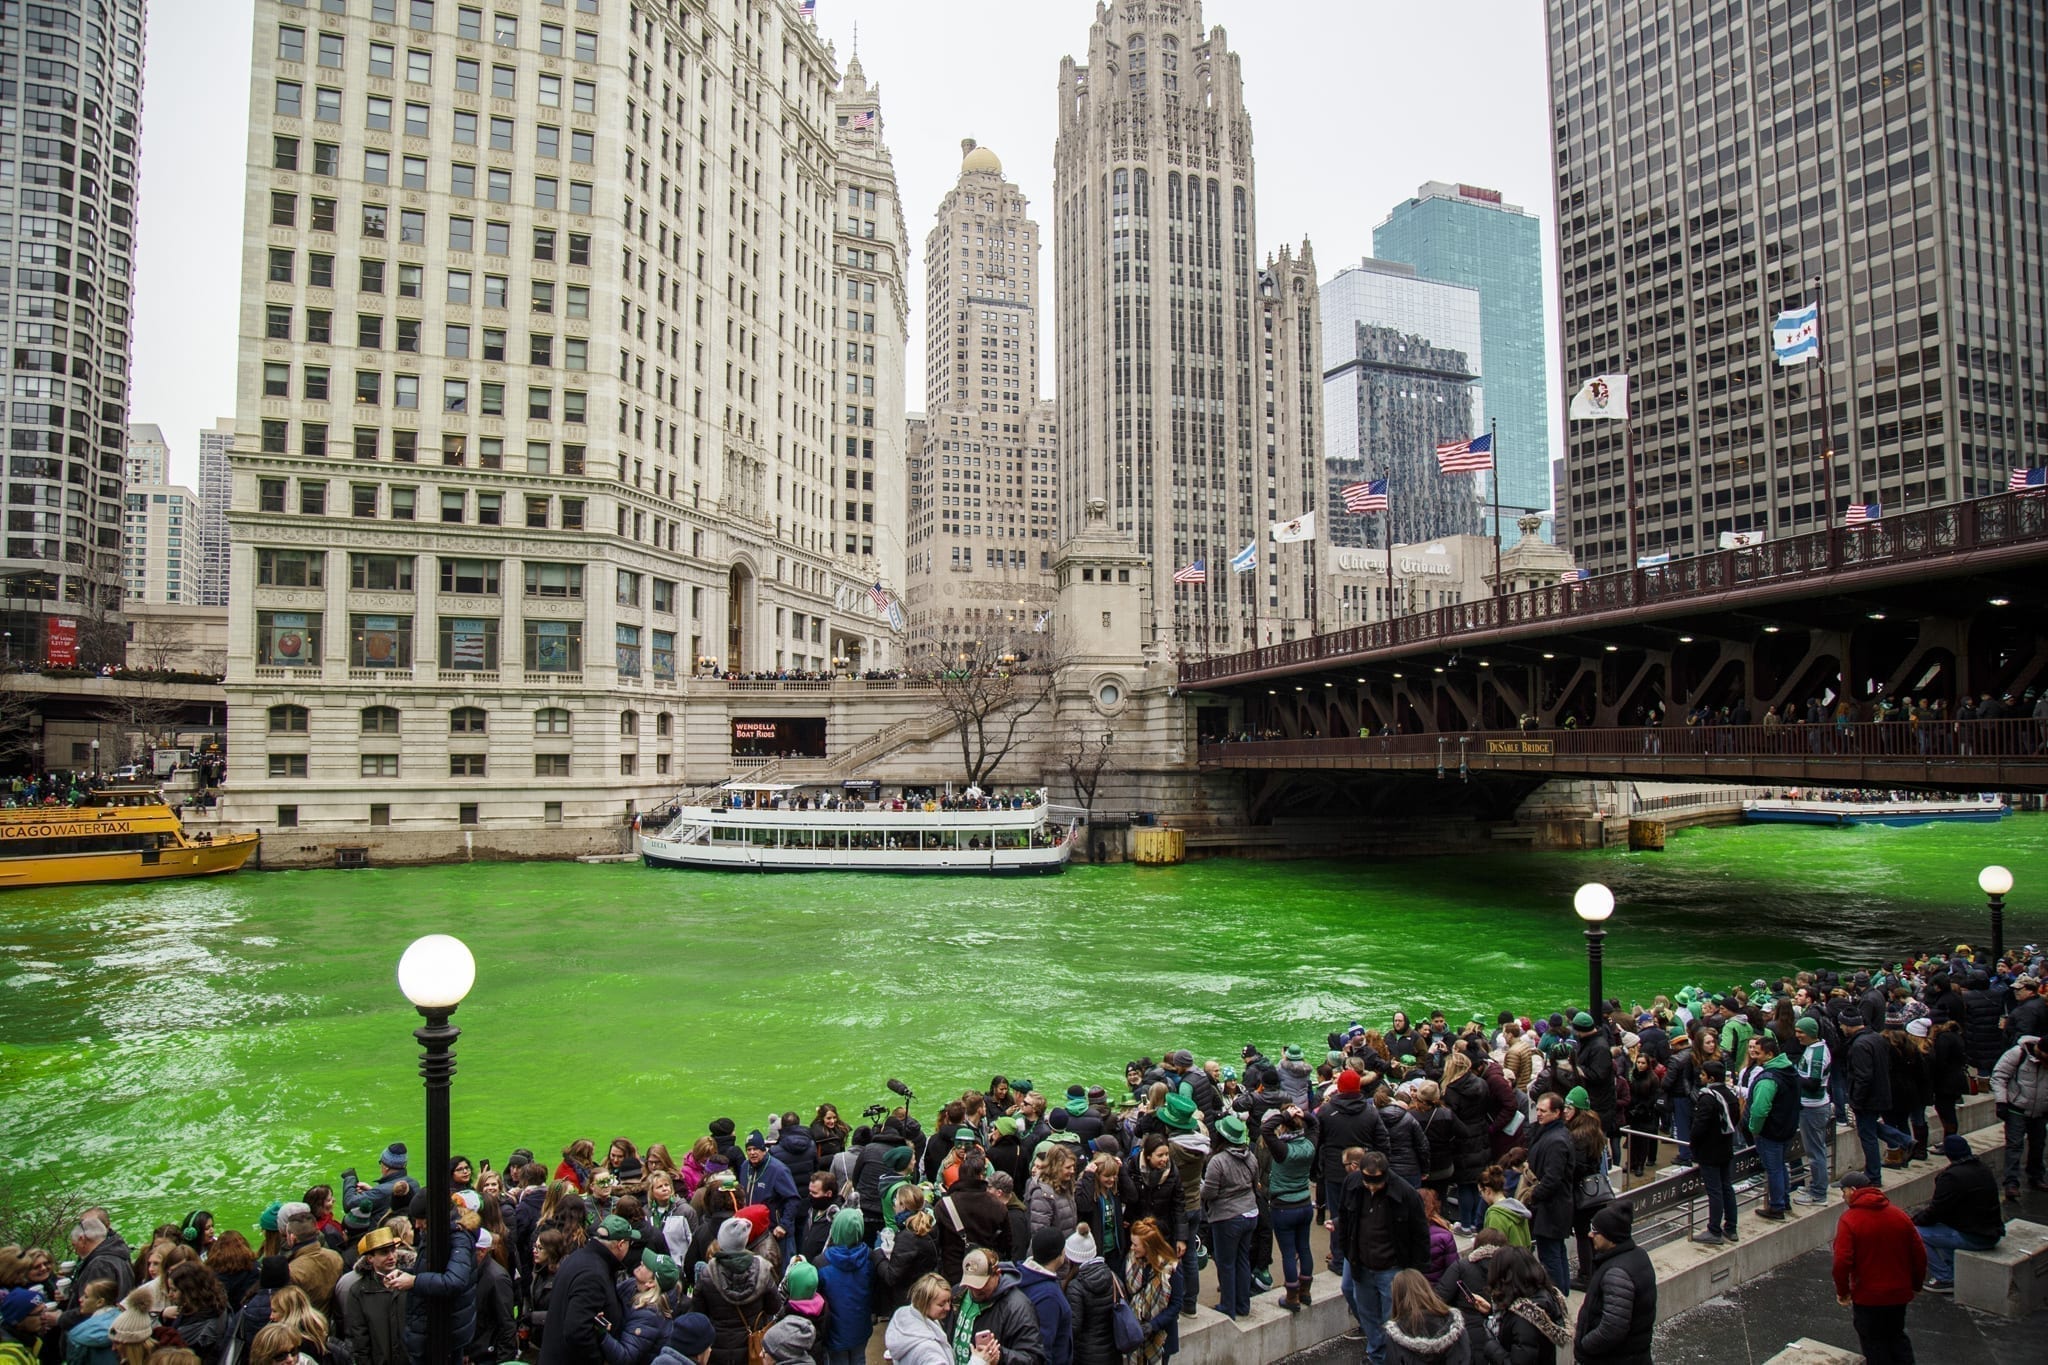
(848, 763)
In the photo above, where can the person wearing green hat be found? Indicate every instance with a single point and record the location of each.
(1297, 1077)
(1179, 1117)
(1230, 1203)
(1816, 1109)
(585, 1309)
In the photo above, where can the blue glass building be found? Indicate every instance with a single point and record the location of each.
(1461, 234)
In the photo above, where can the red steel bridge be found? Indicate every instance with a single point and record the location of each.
(1668, 672)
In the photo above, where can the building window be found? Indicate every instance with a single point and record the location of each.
(380, 720)
(288, 639)
(629, 724)
(551, 765)
(469, 643)
(465, 814)
(288, 720)
(629, 764)
(287, 765)
(379, 765)
(465, 765)
(467, 720)
(554, 647)
(287, 817)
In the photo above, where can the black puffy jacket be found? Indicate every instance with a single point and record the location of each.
(1348, 1121)
(737, 1302)
(1593, 1059)
(1010, 1315)
(457, 1284)
(1407, 1148)
(1471, 1106)
(1870, 1073)
(1091, 1295)
(1515, 1340)
(1155, 1195)
(1951, 1066)
(1981, 1036)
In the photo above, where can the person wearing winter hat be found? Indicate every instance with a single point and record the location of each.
(1619, 1315)
(690, 1337)
(1965, 1212)
(1230, 1204)
(1810, 1068)
(847, 1279)
(1879, 1264)
(1040, 1277)
(26, 1317)
(585, 1308)
(789, 1341)
(803, 1296)
(766, 1181)
(737, 1289)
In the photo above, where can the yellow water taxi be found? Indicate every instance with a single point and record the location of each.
(119, 834)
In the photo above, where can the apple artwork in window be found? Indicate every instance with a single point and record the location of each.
(288, 646)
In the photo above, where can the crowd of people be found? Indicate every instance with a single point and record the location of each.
(1468, 1177)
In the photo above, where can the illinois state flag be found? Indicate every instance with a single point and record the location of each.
(1604, 397)
(1302, 527)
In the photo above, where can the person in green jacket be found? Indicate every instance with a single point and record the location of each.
(1505, 1214)
(1773, 1121)
(1290, 1141)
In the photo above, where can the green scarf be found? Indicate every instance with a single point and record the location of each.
(968, 1312)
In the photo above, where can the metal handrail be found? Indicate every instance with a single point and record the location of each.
(1929, 533)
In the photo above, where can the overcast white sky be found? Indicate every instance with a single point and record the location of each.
(1354, 103)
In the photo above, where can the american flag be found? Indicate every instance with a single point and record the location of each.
(1860, 514)
(864, 119)
(1575, 576)
(879, 596)
(1472, 455)
(2027, 480)
(1366, 497)
(810, 9)
(1197, 572)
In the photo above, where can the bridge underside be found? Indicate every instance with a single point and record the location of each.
(1514, 763)
(1968, 633)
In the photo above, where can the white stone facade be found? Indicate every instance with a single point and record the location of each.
(1164, 412)
(983, 522)
(535, 401)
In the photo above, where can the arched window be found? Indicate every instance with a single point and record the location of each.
(287, 720)
(629, 722)
(551, 720)
(466, 720)
(380, 720)
(663, 724)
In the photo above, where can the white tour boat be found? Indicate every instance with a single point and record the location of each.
(795, 827)
(1897, 810)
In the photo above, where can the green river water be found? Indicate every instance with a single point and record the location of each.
(225, 1042)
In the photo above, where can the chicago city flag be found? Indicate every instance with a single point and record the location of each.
(1795, 336)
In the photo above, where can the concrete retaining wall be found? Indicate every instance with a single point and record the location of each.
(288, 849)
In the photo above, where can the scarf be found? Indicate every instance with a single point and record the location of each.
(1532, 1312)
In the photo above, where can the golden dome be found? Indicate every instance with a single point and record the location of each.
(975, 158)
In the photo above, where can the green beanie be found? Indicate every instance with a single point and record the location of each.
(267, 1220)
(849, 1229)
(1582, 1020)
(802, 1280)
(896, 1159)
(1577, 1098)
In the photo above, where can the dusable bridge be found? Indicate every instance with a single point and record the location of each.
(1597, 678)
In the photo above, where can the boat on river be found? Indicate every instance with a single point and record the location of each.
(118, 834)
(797, 827)
(1895, 809)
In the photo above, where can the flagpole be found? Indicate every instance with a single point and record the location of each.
(1496, 505)
(1387, 534)
(1628, 461)
(1827, 441)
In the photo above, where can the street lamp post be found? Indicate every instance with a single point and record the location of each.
(1594, 903)
(435, 973)
(1994, 881)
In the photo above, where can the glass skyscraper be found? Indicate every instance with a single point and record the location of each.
(1461, 234)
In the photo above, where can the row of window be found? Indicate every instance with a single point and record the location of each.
(293, 639)
(459, 765)
(330, 49)
(277, 568)
(272, 496)
(289, 719)
(419, 14)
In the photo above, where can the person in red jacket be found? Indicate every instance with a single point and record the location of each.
(1880, 1263)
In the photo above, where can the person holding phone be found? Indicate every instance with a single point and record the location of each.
(992, 1315)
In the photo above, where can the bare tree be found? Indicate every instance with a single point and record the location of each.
(20, 712)
(989, 689)
(149, 712)
(102, 629)
(1086, 761)
(37, 1220)
(161, 645)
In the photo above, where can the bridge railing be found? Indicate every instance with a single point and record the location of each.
(1928, 533)
(1944, 740)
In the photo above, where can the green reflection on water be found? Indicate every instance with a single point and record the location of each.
(234, 1040)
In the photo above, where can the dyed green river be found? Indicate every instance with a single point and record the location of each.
(225, 1042)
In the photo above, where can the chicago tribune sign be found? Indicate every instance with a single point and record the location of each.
(1433, 563)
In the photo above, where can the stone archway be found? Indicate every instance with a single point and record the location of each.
(739, 615)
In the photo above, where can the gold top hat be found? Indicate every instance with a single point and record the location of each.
(376, 1239)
